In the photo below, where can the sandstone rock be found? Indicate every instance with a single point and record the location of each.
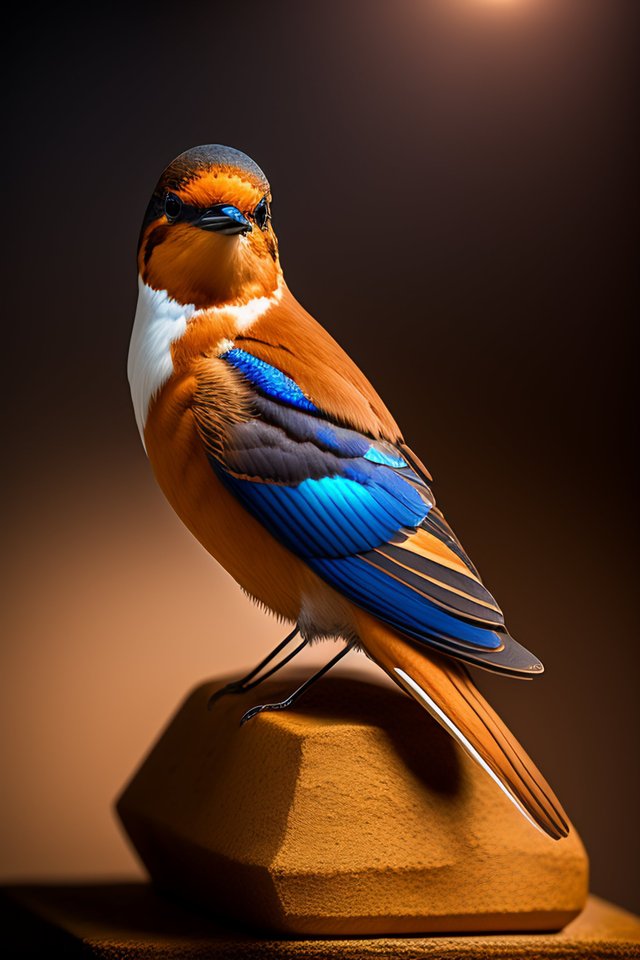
(353, 813)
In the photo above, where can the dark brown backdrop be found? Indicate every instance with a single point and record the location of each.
(453, 195)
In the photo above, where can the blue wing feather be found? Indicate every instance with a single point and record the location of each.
(398, 604)
(273, 382)
(338, 499)
(332, 516)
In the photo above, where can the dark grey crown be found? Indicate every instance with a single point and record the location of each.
(206, 157)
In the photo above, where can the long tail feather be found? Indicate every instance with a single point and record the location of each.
(443, 687)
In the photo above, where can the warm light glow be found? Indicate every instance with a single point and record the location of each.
(467, 8)
(499, 3)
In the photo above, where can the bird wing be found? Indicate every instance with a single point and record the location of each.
(355, 507)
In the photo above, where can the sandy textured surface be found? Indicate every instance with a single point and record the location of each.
(352, 814)
(129, 921)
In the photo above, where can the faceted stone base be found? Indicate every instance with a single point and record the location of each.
(130, 921)
(354, 813)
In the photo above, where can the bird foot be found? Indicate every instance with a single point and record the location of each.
(263, 708)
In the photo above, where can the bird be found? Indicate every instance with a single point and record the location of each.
(281, 458)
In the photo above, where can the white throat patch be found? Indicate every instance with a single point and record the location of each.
(159, 321)
(247, 313)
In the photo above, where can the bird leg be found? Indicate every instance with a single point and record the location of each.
(247, 682)
(295, 696)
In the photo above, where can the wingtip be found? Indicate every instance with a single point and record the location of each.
(511, 658)
(515, 659)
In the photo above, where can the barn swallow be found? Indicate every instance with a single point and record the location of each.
(282, 460)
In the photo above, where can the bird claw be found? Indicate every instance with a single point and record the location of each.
(262, 708)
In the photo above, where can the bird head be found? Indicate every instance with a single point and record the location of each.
(207, 237)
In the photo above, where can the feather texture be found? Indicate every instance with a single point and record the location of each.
(446, 690)
(356, 508)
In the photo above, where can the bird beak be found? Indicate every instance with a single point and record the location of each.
(223, 218)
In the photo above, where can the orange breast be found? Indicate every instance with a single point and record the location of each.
(262, 566)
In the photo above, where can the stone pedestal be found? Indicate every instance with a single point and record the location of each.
(130, 921)
(352, 814)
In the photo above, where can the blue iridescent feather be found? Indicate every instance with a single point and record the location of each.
(397, 603)
(332, 516)
(376, 455)
(341, 500)
(269, 379)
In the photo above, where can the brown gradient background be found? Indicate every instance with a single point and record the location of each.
(454, 186)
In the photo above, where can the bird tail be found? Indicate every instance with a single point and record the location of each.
(443, 687)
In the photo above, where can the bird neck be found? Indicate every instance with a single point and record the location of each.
(211, 331)
(168, 337)
(209, 270)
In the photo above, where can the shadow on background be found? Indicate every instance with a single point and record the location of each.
(454, 191)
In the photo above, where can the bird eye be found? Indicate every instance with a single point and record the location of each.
(172, 207)
(262, 214)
